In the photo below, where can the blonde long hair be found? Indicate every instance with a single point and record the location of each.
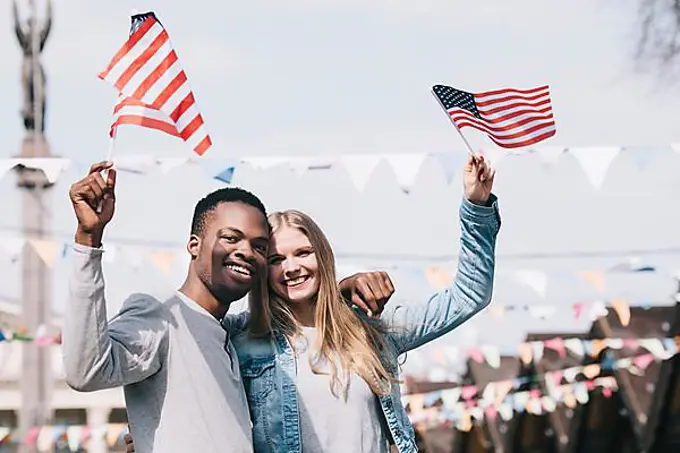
(345, 341)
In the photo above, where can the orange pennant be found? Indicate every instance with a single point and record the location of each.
(622, 310)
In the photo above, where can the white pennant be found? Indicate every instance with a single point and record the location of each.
(406, 168)
(12, 245)
(360, 168)
(575, 346)
(52, 167)
(265, 163)
(139, 164)
(595, 162)
(492, 355)
(542, 311)
(6, 165)
(655, 346)
(534, 279)
(451, 164)
(74, 434)
(167, 164)
(550, 154)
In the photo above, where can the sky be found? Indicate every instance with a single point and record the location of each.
(328, 78)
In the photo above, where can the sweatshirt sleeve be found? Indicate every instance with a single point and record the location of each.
(99, 354)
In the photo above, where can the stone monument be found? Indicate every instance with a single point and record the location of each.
(36, 382)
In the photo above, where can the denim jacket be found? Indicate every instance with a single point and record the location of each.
(268, 364)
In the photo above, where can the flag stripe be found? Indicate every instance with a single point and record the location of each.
(169, 90)
(489, 113)
(527, 141)
(143, 43)
(506, 91)
(460, 115)
(512, 98)
(155, 75)
(146, 121)
(183, 106)
(191, 127)
(203, 146)
(125, 48)
(165, 80)
(139, 62)
(515, 115)
(514, 131)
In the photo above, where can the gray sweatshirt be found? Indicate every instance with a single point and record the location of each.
(182, 383)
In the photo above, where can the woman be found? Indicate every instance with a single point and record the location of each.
(320, 376)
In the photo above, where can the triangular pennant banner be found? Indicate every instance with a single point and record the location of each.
(406, 168)
(451, 164)
(163, 260)
(535, 279)
(167, 164)
(550, 154)
(622, 309)
(360, 168)
(51, 166)
(595, 162)
(439, 278)
(12, 245)
(643, 155)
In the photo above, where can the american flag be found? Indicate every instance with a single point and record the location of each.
(153, 87)
(512, 118)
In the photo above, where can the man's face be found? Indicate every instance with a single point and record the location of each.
(231, 255)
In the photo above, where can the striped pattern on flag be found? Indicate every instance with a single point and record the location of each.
(512, 118)
(154, 89)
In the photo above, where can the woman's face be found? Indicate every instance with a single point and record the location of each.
(293, 268)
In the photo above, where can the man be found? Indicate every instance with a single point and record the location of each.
(179, 370)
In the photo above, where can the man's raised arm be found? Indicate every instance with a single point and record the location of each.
(99, 354)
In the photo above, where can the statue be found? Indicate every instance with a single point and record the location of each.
(32, 72)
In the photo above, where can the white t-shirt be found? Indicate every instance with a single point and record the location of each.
(336, 424)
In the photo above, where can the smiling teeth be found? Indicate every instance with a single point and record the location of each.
(239, 269)
(296, 281)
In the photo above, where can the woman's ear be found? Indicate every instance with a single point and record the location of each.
(193, 246)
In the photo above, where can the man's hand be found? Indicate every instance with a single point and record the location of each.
(478, 180)
(94, 201)
(129, 445)
(369, 291)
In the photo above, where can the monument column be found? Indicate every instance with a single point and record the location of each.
(36, 377)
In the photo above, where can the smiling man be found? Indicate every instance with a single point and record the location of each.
(179, 370)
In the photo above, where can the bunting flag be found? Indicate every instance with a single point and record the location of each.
(73, 437)
(512, 395)
(511, 118)
(154, 89)
(360, 167)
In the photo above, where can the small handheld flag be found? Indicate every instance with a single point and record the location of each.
(512, 118)
(154, 90)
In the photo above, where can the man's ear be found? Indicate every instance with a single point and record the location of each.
(193, 246)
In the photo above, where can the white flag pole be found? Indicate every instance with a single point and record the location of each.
(472, 153)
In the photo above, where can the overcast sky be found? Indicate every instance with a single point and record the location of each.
(335, 77)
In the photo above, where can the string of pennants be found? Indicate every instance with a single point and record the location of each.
(163, 257)
(463, 404)
(75, 437)
(595, 162)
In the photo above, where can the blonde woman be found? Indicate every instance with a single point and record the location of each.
(323, 377)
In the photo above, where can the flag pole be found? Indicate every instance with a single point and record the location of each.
(470, 150)
(112, 144)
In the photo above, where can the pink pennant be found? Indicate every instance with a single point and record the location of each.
(476, 355)
(490, 413)
(607, 392)
(32, 436)
(534, 393)
(643, 361)
(469, 391)
(579, 307)
(590, 385)
(556, 344)
(630, 344)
